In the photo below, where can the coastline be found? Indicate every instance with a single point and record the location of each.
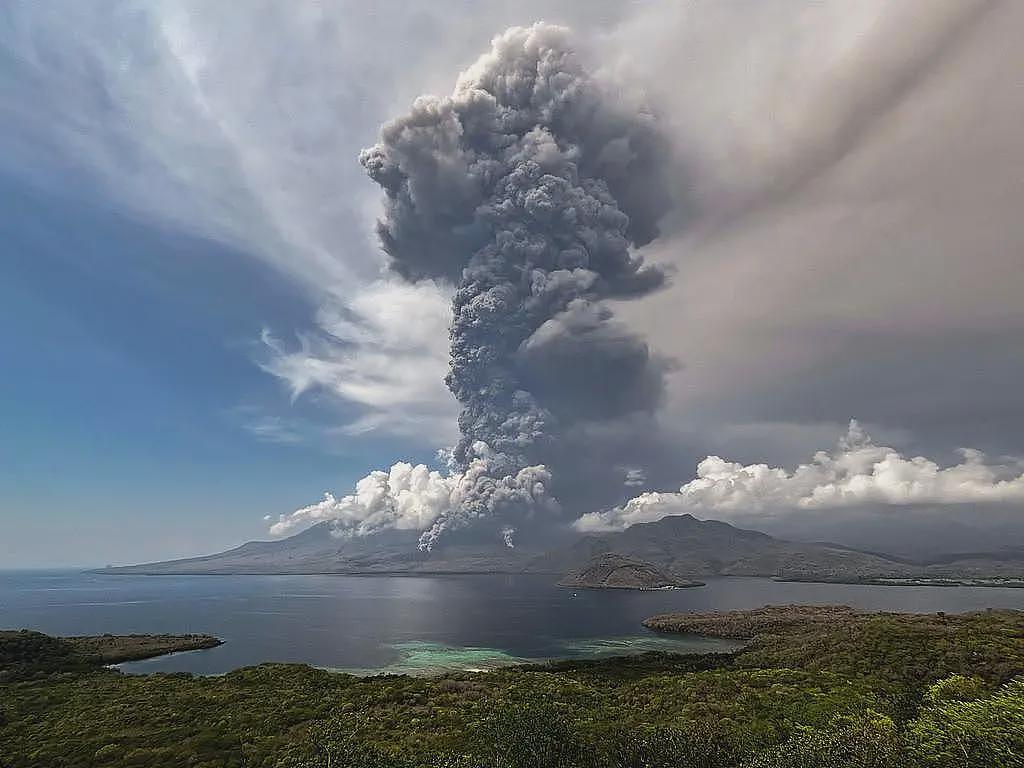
(908, 581)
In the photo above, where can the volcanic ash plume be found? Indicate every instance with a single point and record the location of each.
(526, 188)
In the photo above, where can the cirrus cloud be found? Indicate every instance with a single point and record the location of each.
(385, 352)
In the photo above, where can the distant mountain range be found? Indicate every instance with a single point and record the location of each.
(680, 546)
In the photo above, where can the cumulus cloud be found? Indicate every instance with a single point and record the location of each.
(417, 498)
(406, 497)
(856, 473)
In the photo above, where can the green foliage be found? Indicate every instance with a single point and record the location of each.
(955, 688)
(26, 654)
(871, 691)
(869, 740)
(698, 745)
(981, 733)
(533, 735)
(331, 745)
(905, 650)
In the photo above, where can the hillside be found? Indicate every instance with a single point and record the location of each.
(611, 571)
(827, 686)
(695, 548)
(26, 654)
(680, 545)
(317, 550)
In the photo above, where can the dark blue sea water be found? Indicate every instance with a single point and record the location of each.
(411, 623)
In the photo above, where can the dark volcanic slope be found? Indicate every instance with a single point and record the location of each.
(611, 571)
(310, 551)
(689, 547)
(316, 550)
(680, 545)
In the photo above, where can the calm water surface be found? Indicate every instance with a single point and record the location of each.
(411, 623)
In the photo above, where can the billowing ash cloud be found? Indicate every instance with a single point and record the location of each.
(857, 473)
(527, 187)
(414, 498)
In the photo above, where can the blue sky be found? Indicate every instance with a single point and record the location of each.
(126, 423)
(198, 330)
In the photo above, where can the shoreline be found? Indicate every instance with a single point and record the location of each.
(989, 582)
(909, 581)
(665, 588)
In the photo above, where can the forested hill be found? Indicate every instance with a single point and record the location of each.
(26, 654)
(813, 688)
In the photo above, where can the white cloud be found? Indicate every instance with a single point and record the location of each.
(856, 473)
(386, 351)
(406, 497)
(237, 125)
(245, 128)
(417, 498)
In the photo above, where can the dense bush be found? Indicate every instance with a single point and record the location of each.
(873, 691)
(868, 740)
(26, 654)
(981, 732)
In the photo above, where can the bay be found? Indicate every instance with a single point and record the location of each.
(413, 624)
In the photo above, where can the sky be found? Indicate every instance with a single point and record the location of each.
(201, 331)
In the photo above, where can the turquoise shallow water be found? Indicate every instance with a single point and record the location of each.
(425, 659)
(412, 624)
(420, 658)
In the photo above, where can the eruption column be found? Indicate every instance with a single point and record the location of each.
(527, 188)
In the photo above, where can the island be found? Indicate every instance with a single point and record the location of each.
(614, 571)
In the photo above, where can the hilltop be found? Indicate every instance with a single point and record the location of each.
(611, 571)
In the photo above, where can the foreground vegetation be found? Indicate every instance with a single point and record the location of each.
(814, 687)
(25, 654)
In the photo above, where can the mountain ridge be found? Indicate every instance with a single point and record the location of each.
(681, 545)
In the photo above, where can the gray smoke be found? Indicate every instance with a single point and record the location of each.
(527, 187)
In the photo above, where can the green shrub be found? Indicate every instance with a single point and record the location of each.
(982, 733)
(864, 741)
